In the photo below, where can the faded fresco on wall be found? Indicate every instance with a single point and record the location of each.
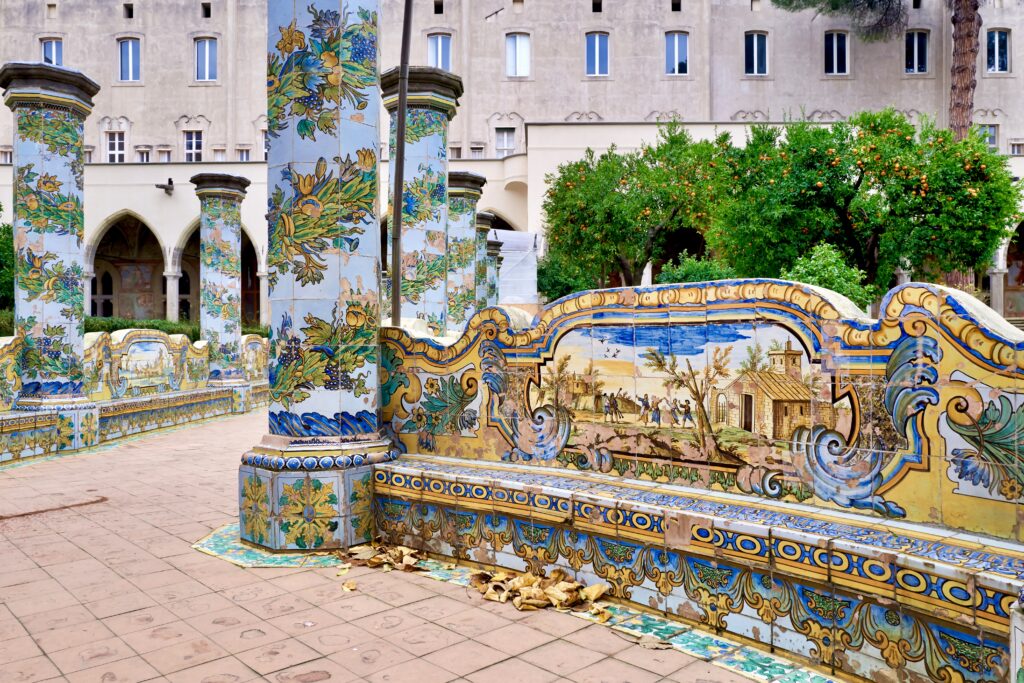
(763, 388)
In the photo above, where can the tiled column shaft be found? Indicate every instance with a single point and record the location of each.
(464, 191)
(220, 273)
(305, 486)
(493, 254)
(433, 96)
(50, 105)
(484, 220)
(264, 298)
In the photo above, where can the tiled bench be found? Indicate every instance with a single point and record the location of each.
(887, 601)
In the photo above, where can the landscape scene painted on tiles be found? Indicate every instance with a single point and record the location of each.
(790, 405)
(728, 396)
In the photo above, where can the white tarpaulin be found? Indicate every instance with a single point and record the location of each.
(517, 280)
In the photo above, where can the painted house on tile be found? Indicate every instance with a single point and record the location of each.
(771, 400)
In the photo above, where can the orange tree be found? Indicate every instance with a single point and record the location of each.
(879, 190)
(612, 213)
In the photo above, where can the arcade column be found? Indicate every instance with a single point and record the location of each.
(433, 97)
(307, 485)
(464, 190)
(50, 105)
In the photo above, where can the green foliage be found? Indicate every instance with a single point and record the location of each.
(558, 277)
(6, 323)
(7, 267)
(879, 190)
(694, 269)
(871, 19)
(110, 325)
(825, 267)
(615, 212)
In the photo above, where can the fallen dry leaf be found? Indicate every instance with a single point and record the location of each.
(530, 592)
(348, 586)
(652, 643)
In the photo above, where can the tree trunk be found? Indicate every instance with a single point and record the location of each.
(966, 31)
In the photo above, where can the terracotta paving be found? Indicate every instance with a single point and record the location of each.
(99, 583)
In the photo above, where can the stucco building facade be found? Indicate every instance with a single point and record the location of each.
(183, 92)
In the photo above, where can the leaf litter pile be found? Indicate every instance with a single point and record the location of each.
(525, 591)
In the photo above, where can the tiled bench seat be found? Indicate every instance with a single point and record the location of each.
(889, 601)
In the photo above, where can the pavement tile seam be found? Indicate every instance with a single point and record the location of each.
(139, 541)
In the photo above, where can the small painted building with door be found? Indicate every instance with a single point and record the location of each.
(771, 402)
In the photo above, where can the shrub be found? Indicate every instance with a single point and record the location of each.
(110, 325)
(826, 267)
(693, 269)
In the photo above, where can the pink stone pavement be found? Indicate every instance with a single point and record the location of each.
(105, 587)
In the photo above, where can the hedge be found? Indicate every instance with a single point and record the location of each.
(189, 329)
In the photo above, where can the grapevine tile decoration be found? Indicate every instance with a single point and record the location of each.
(323, 214)
(220, 272)
(305, 487)
(50, 105)
(484, 220)
(464, 190)
(426, 244)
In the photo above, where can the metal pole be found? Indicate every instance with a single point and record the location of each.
(399, 162)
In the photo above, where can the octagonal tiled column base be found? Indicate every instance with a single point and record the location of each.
(313, 499)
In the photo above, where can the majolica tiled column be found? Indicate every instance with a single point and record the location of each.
(306, 486)
(464, 190)
(493, 256)
(220, 278)
(484, 221)
(433, 97)
(50, 105)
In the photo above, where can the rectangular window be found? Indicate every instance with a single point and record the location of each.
(206, 59)
(504, 141)
(755, 54)
(677, 5)
(142, 156)
(264, 143)
(131, 65)
(129, 10)
(220, 155)
(454, 152)
(676, 53)
(990, 132)
(517, 55)
(206, 9)
(595, 5)
(476, 152)
(438, 6)
(835, 53)
(597, 54)
(439, 51)
(88, 156)
(998, 51)
(164, 156)
(917, 52)
(6, 156)
(1017, 149)
(115, 147)
(53, 51)
(193, 145)
(243, 154)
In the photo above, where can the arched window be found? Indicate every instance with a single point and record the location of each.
(722, 409)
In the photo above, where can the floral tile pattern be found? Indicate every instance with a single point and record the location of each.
(461, 255)
(220, 271)
(425, 224)
(225, 544)
(322, 77)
